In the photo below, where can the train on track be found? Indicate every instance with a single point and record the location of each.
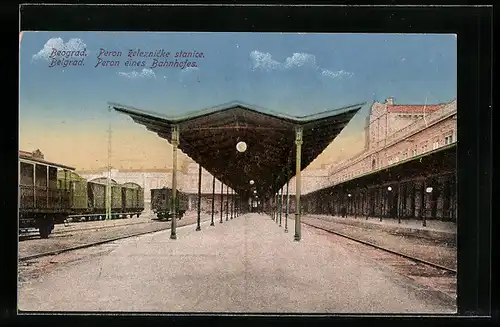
(50, 193)
(161, 203)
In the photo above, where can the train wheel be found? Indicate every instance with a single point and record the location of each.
(45, 227)
(44, 231)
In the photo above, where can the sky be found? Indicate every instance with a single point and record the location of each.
(63, 111)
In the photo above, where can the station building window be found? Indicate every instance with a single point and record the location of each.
(435, 145)
(423, 147)
(448, 139)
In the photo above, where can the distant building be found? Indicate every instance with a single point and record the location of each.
(397, 133)
(393, 133)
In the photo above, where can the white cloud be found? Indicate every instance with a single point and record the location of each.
(189, 69)
(300, 59)
(58, 43)
(337, 74)
(146, 73)
(264, 61)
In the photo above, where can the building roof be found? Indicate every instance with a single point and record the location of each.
(429, 164)
(414, 108)
(25, 155)
(210, 136)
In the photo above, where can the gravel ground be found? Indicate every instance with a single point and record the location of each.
(89, 232)
(426, 249)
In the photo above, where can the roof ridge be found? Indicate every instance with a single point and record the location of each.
(231, 105)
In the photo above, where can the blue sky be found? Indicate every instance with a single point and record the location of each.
(298, 74)
(408, 67)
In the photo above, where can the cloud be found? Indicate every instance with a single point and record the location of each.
(74, 44)
(337, 74)
(189, 69)
(146, 73)
(301, 59)
(265, 61)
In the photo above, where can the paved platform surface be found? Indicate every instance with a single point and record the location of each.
(247, 264)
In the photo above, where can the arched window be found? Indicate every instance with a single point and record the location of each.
(373, 164)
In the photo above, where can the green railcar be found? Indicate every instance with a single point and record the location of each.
(89, 198)
(96, 197)
(132, 199)
(162, 204)
(78, 190)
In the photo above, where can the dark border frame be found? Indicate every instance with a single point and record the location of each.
(474, 28)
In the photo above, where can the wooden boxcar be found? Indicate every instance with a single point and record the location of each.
(132, 199)
(88, 198)
(161, 203)
(96, 199)
(78, 190)
(43, 200)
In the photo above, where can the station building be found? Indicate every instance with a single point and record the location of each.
(396, 135)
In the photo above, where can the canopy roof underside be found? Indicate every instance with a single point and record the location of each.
(210, 136)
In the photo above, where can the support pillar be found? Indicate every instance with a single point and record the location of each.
(227, 203)
(399, 203)
(198, 227)
(280, 195)
(213, 201)
(298, 144)
(221, 200)
(175, 144)
(232, 203)
(287, 202)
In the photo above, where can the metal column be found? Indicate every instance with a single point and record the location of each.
(198, 227)
(227, 203)
(399, 203)
(298, 143)
(281, 204)
(175, 144)
(213, 201)
(232, 203)
(221, 200)
(276, 198)
(287, 202)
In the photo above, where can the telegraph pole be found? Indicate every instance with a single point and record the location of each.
(108, 183)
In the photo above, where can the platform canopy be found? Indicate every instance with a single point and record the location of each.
(210, 136)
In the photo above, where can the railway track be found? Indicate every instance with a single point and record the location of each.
(381, 248)
(99, 242)
(31, 235)
(439, 279)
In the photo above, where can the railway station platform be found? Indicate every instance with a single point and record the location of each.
(244, 265)
(434, 229)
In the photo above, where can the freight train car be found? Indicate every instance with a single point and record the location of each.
(161, 203)
(44, 193)
(132, 198)
(89, 198)
(78, 191)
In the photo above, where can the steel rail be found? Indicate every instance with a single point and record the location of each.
(415, 259)
(88, 245)
(27, 236)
